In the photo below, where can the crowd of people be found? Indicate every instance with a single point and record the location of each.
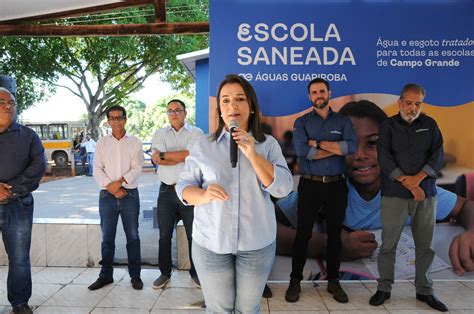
(359, 170)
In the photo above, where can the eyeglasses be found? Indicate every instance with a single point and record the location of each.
(176, 112)
(4, 103)
(118, 118)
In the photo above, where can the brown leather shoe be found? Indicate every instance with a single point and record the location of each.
(334, 287)
(293, 293)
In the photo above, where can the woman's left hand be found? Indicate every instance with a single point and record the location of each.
(263, 168)
(246, 142)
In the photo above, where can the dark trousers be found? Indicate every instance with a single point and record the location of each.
(83, 164)
(170, 210)
(333, 199)
(109, 210)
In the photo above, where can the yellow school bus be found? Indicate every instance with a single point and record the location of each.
(58, 139)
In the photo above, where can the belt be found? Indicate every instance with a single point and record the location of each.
(170, 185)
(324, 179)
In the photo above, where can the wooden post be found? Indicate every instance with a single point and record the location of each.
(160, 10)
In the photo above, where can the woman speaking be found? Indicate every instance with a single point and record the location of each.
(234, 226)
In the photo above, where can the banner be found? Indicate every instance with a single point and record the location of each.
(359, 47)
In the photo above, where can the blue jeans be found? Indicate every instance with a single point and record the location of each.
(109, 210)
(16, 234)
(170, 210)
(233, 282)
(90, 161)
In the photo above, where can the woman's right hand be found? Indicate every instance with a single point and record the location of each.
(215, 192)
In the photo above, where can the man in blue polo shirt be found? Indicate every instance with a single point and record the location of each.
(410, 154)
(321, 138)
(22, 165)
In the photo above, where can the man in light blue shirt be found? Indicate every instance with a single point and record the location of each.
(171, 146)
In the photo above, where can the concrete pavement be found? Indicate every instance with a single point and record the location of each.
(77, 197)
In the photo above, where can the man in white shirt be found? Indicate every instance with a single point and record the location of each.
(89, 144)
(170, 146)
(117, 166)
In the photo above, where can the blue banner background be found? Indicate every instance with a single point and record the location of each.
(360, 25)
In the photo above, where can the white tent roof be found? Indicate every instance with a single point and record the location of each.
(14, 9)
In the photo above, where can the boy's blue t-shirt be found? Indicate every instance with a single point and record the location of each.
(365, 215)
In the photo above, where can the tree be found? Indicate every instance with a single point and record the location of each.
(103, 70)
(25, 60)
(143, 121)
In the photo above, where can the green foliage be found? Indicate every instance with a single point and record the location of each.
(26, 60)
(103, 71)
(143, 120)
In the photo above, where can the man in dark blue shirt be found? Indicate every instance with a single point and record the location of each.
(22, 165)
(410, 154)
(321, 138)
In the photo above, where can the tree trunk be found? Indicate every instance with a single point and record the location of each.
(93, 125)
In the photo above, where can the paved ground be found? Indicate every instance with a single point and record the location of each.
(77, 197)
(64, 290)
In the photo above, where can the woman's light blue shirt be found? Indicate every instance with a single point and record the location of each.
(246, 221)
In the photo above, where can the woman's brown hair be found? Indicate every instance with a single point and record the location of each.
(254, 119)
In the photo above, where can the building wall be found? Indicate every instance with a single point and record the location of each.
(202, 94)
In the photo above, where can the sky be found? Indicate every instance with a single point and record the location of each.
(64, 106)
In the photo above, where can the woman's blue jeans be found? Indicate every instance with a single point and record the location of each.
(233, 282)
(109, 210)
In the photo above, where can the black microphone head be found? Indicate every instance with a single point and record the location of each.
(233, 144)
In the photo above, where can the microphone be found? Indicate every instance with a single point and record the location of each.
(233, 144)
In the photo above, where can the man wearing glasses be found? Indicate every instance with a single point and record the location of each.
(170, 146)
(410, 155)
(22, 165)
(117, 165)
